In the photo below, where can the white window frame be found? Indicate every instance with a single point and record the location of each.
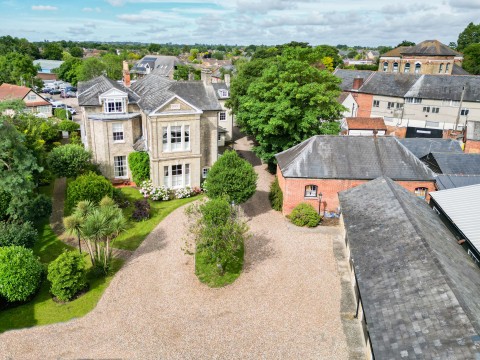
(115, 102)
(118, 133)
(385, 66)
(435, 110)
(223, 93)
(421, 192)
(310, 191)
(31, 97)
(185, 138)
(122, 165)
(464, 111)
(440, 68)
(177, 180)
(391, 105)
(418, 68)
(222, 114)
(376, 103)
(395, 67)
(406, 69)
(426, 109)
(447, 67)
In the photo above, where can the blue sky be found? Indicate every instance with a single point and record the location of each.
(352, 22)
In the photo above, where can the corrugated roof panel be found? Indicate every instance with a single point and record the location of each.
(462, 206)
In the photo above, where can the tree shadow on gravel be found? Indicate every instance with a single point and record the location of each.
(257, 250)
(258, 205)
(250, 157)
(149, 245)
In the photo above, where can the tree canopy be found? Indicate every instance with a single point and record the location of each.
(285, 99)
(471, 59)
(18, 69)
(406, 43)
(470, 35)
(52, 51)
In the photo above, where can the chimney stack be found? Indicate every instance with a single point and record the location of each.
(206, 76)
(357, 83)
(126, 74)
(226, 78)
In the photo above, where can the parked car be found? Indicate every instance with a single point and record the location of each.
(70, 109)
(48, 98)
(55, 92)
(46, 90)
(71, 94)
(70, 88)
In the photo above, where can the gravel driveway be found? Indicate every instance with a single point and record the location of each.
(287, 304)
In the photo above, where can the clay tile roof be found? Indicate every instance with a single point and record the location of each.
(364, 123)
(38, 103)
(430, 48)
(396, 52)
(10, 92)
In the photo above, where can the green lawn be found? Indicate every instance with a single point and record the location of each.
(137, 231)
(208, 274)
(42, 310)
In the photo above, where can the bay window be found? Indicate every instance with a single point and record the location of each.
(176, 176)
(176, 138)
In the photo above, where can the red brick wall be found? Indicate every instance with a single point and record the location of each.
(364, 102)
(472, 147)
(398, 132)
(294, 190)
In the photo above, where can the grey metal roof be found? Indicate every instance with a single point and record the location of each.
(462, 206)
(89, 91)
(351, 157)
(419, 288)
(162, 64)
(389, 84)
(446, 87)
(453, 163)
(421, 147)
(454, 181)
(154, 90)
(347, 77)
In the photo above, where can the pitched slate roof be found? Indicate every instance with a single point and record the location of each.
(453, 163)
(454, 181)
(347, 77)
(89, 91)
(154, 90)
(446, 87)
(351, 157)
(389, 84)
(463, 211)
(162, 64)
(364, 123)
(421, 147)
(221, 86)
(458, 70)
(419, 288)
(430, 48)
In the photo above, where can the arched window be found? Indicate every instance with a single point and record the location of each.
(440, 69)
(418, 67)
(385, 66)
(311, 191)
(395, 66)
(421, 192)
(407, 68)
(447, 67)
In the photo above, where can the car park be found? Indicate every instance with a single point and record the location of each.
(54, 92)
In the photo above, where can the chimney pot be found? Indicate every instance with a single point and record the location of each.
(126, 74)
(357, 83)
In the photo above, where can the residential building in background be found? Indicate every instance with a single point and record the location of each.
(163, 65)
(34, 102)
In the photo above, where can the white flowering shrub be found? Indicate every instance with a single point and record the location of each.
(160, 193)
(183, 193)
(146, 188)
(163, 193)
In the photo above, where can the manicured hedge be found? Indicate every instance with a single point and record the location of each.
(276, 196)
(304, 215)
(91, 187)
(67, 274)
(139, 163)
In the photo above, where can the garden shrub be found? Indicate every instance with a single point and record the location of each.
(142, 210)
(18, 234)
(68, 160)
(67, 274)
(120, 198)
(68, 125)
(32, 210)
(139, 163)
(304, 215)
(231, 176)
(91, 187)
(276, 196)
(4, 204)
(20, 273)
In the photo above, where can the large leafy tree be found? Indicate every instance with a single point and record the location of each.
(470, 35)
(69, 160)
(52, 51)
(285, 99)
(90, 68)
(471, 59)
(68, 71)
(10, 44)
(113, 66)
(16, 68)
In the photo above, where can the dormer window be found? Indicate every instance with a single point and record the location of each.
(223, 93)
(114, 106)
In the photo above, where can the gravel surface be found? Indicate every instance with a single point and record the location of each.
(287, 304)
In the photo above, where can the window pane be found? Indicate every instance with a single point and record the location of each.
(166, 178)
(187, 137)
(310, 191)
(117, 130)
(176, 137)
(177, 173)
(120, 166)
(223, 116)
(187, 174)
(165, 138)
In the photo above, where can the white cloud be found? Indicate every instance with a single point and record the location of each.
(89, 9)
(44, 8)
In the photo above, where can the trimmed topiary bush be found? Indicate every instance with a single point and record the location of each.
(67, 274)
(91, 187)
(68, 160)
(18, 234)
(231, 176)
(304, 215)
(20, 273)
(276, 196)
(139, 163)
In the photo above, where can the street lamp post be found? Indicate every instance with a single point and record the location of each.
(319, 203)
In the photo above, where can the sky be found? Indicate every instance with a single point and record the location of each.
(242, 22)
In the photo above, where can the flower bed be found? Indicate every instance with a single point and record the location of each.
(162, 193)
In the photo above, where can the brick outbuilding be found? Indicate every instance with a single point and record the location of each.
(315, 170)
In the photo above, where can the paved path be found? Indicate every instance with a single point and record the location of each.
(287, 304)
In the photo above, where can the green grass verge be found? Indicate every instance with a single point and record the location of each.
(136, 232)
(208, 273)
(42, 310)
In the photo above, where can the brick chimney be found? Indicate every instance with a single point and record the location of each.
(126, 74)
(226, 78)
(206, 76)
(357, 83)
